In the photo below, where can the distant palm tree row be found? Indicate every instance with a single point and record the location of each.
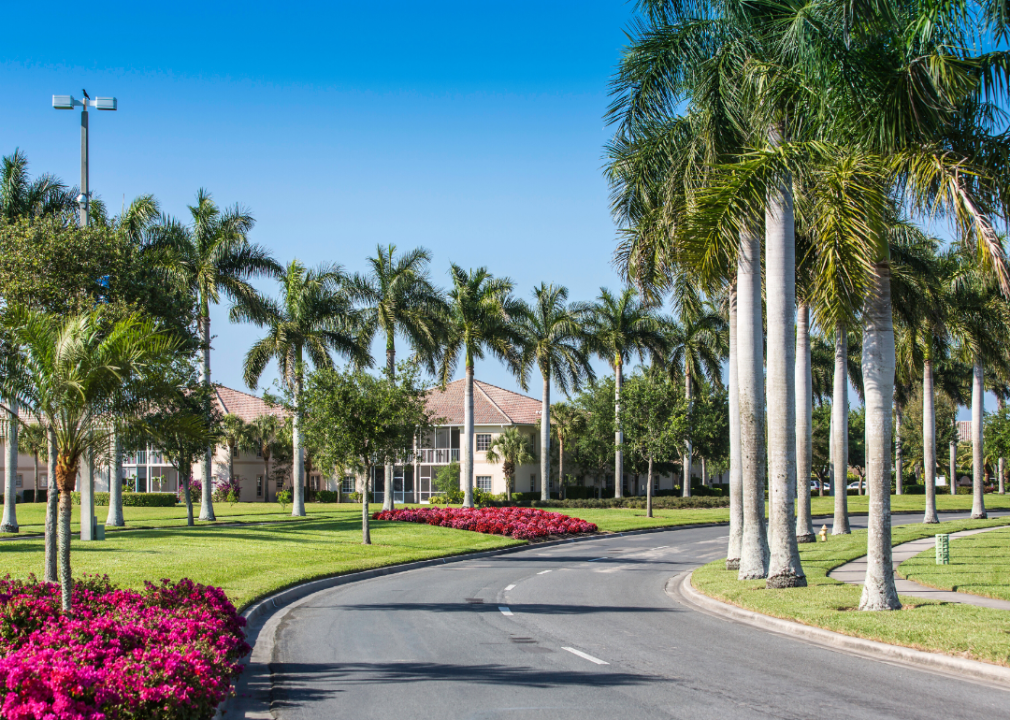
(781, 155)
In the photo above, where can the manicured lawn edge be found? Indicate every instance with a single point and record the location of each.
(947, 628)
(917, 578)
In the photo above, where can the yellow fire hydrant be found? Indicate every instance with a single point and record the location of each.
(824, 533)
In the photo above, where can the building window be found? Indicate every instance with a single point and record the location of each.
(482, 441)
(259, 486)
(19, 481)
(533, 482)
(348, 485)
(484, 483)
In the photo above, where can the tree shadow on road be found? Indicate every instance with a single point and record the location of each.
(296, 684)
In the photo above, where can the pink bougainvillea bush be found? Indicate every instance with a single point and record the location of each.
(520, 523)
(168, 652)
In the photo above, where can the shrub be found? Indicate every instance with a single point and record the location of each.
(283, 498)
(576, 492)
(228, 490)
(169, 651)
(195, 491)
(132, 499)
(327, 496)
(33, 496)
(519, 523)
(638, 502)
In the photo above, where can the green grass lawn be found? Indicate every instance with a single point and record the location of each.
(252, 561)
(979, 564)
(979, 633)
(32, 516)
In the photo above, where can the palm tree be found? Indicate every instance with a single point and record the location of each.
(554, 337)
(511, 448)
(565, 420)
(33, 440)
(235, 431)
(401, 300)
(211, 257)
(697, 345)
(979, 323)
(482, 317)
(314, 317)
(75, 374)
(619, 327)
(22, 198)
(263, 433)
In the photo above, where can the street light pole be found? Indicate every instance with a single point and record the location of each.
(68, 102)
(85, 194)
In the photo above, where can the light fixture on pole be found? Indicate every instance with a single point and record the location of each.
(69, 102)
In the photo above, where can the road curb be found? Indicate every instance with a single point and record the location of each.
(260, 612)
(681, 589)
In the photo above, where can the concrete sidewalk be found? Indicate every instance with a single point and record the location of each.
(854, 573)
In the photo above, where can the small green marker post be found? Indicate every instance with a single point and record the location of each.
(943, 549)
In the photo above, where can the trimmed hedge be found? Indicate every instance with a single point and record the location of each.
(133, 499)
(29, 496)
(638, 502)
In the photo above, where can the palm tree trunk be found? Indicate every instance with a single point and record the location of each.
(35, 480)
(840, 434)
(298, 462)
(952, 485)
(977, 471)
(688, 459)
(648, 490)
(468, 432)
(929, 442)
(784, 569)
(66, 478)
(561, 465)
(207, 471)
(898, 469)
(804, 426)
(618, 430)
(750, 376)
(115, 516)
(366, 535)
(187, 493)
(1002, 489)
(735, 478)
(388, 498)
(52, 500)
(704, 472)
(879, 592)
(10, 518)
(545, 439)
(266, 477)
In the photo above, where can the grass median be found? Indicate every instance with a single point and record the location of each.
(979, 564)
(252, 561)
(954, 629)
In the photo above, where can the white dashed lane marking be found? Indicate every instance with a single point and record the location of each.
(586, 656)
(509, 587)
(505, 610)
(543, 572)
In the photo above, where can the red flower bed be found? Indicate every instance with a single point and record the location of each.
(166, 653)
(520, 523)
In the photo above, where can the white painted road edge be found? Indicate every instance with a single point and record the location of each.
(681, 589)
(585, 656)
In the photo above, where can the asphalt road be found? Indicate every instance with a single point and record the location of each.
(578, 632)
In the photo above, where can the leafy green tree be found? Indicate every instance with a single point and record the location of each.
(511, 448)
(554, 338)
(74, 374)
(592, 443)
(235, 432)
(34, 441)
(565, 421)
(622, 326)
(447, 480)
(400, 299)
(997, 434)
(355, 420)
(656, 419)
(313, 318)
(482, 317)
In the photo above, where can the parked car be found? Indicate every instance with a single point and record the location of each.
(827, 485)
(853, 485)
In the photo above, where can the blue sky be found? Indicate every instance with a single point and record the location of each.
(472, 129)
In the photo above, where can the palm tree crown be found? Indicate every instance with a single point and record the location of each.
(402, 300)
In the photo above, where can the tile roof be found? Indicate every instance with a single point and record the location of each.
(246, 406)
(492, 405)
